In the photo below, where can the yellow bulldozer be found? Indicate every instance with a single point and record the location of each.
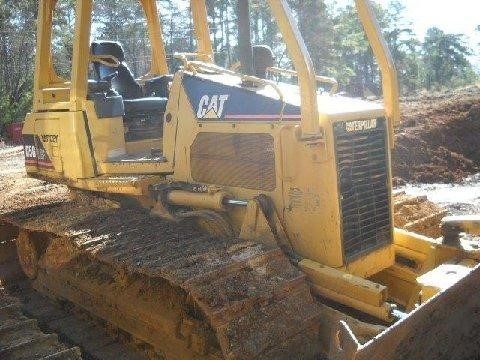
(263, 217)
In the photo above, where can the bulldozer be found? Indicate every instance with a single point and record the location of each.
(262, 217)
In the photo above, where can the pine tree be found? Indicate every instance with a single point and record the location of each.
(445, 59)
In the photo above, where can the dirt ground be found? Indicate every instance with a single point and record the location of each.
(437, 141)
(417, 214)
(14, 183)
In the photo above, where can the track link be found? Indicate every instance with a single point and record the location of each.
(73, 326)
(21, 337)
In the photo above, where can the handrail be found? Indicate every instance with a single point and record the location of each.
(310, 116)
(202, 32)
(321, 79)
(385, 61)
(185, 55)
(102, 59)
(244, 78)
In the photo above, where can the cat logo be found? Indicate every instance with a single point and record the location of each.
(211, 107)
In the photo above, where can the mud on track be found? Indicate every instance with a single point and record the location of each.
(34, 326)
(21, 337)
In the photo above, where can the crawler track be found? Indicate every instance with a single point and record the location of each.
(21, 337)
(186, 294)
(34, 326)
(96, 340)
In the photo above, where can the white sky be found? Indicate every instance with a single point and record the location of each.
(459, 16)
(455, 17)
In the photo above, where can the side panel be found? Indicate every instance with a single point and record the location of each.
(310, 199)
(107, 134)
(56, 145)
(249, 143)
(232, 137)
(48, 144)
(218, 101)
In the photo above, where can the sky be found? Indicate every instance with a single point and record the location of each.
(457, 17)
(454, 17)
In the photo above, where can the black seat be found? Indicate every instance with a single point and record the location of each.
(147, 105)
(123, 81)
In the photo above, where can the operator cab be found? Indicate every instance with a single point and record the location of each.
(141, 105)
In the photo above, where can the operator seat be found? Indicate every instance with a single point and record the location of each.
(136, 101)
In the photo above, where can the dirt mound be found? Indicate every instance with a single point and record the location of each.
(437, 140)
(417, 214)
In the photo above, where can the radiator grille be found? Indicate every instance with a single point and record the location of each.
(243, 160)
(361, 154)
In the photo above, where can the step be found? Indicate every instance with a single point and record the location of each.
(144, 157)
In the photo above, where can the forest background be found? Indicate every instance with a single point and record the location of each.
(333, 36)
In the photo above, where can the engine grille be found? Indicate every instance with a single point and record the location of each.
(244, 160)
(360, 148)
